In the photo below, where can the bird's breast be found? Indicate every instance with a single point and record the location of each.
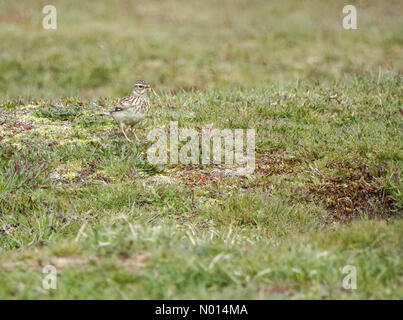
(129, 116)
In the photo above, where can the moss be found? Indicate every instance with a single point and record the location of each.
(70, 170)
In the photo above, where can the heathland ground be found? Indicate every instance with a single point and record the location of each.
(326, 104)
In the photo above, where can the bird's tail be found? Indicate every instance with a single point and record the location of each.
(103, 114)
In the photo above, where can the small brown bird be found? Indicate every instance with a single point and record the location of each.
(132, 109)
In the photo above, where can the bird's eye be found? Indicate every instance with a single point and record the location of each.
(140, 86)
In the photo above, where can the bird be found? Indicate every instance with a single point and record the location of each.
(133, 108)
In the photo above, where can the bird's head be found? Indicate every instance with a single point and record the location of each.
(142, 88)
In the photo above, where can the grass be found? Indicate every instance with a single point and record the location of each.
(326, 192)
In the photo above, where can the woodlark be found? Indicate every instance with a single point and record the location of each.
(132, 109)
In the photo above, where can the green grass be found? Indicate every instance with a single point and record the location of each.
(326, 192)
(178, 45)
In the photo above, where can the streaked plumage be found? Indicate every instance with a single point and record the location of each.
(132, 109)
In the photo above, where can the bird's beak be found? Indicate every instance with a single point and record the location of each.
(153, 91)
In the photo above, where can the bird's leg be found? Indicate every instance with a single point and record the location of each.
(134, 133)
(121, 128)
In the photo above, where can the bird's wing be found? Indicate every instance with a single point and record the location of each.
(123, 104)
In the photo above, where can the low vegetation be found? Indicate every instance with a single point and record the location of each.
(326, 191)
